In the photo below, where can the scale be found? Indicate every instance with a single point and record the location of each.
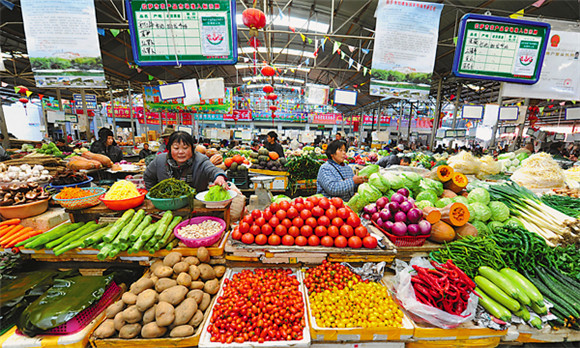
(263, 191)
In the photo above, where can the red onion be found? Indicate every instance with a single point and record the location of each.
(370, 209)
(382, 202)
(386, 215)
(387, 226)
(393, 207)
(414, 215)
(366, 216)
(413, 229)
(375, 217)
(397, 198)
(400, 217)
(424, 227)
(406, 206)
(399, 229)
(403, 191)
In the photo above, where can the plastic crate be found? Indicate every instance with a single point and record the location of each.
(404, 241)
(240, 179)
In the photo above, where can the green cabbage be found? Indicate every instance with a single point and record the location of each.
(482, 228)
(443, 202)
(216, 193)
(499, 211)
(356, 203)
(482, 212)
(280, 198)
(460, 199)
(471, 213)
(513, 222)
(430, 184)
(494, 225)
(379, 182)
(423, 204)
(427, 195)
(390, 193)
(478, 195)
(395, 181)
(368, 170)
(411, 181)
(368, 193)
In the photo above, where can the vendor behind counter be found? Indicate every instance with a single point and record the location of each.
(107, 146)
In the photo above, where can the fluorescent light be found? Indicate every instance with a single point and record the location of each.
(299, 24)
(277, 78)
(276, 85)
(281, 66)
(277, 50)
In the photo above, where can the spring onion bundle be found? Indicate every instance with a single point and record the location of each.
(171, 188)
(564, 204)
(122, 189)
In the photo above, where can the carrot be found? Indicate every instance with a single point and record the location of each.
(10, 222)
(8, 232)
(14, 234)
(4, 229)
(22, 237)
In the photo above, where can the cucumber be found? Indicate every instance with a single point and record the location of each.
(536, 322)
(524, 284)
(63, 238)
(131, 226)
(56, 233)
(163, 224)
(555, 299)
(559, 292)
(493, 307)
(505, 284)
(523, 313)
(497, 294)
(140, 229)
(540, 310)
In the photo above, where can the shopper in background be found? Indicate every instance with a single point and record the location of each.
(107, 146)
(3, 155)
(60, 144)
(145, 152)
(273, 145)
(335, 177)
(528, 148)
(164, 138)
(405, 161)
(391, 160)
(338, 136)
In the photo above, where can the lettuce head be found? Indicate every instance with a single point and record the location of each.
(481, 211)
(482, 228)
(478, 195)
(430, 184)
(427, 195)
(443, 202)
(499, 211)
(379, 182)
(423, 204)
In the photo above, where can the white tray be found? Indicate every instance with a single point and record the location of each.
(204, 341)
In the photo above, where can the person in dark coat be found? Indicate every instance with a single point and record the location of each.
(107, 146)
(273, 145)
(145, 151)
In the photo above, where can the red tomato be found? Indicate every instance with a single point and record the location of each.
(361, 231)
(343, 213)
(281, 214)
(299, 200)
(248, 238)
(324, 203)
(301, 240)
(280, 230)
(267, 229)
(313, 199)
(353, 220)
(274, 207)
(340, 242)
(333, 231)
(354, 242)
(288, 240)
(298, 222)
(347, 231)
(308, 205)
(317, 212)
(327, 241)
(256, 213)
(306, 231)
(313, 240)
(337, 222)
(255, 230)
(274, 240)
(292, 213)
(320, 231)
(330, 213)
(324, 221)
(237, 235)
(370, 242)
(311, 222)
(267, 214)
(274, 222)
(286, 223)
(294, 231)
(299, 206)
(248, 219)
(244, 227)
(337, 202)
(305, 214)
(284, 205)
(261, 239)
(260, 221)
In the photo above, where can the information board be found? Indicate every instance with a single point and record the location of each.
(501, 49)
(472, 112)
(184, 32)
(90, 99)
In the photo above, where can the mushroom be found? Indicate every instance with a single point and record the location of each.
(23, 187)
(19, 198)
(14, 187)
(31, 195)
(32, 184)
(6, 202)
(42, 196)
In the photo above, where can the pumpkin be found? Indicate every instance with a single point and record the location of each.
(431, 214)
(442, 232)
(443, 173)
(466, 230)
(448, 194)
(273, 155)
(457, 183)
(455, 214)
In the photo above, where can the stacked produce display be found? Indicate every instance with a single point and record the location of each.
(267, 160)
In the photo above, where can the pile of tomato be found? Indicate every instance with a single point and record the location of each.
(328, 276)
(258, 306)
(312, 221)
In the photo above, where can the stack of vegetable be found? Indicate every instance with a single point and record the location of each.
(122, 189)
(236, 163)
(171, 188)
(50, 149)
(216, 193)
(24, 173)
(269, 160)
(302, 167)
(13, 234)
(510, 162)
(564, 204)
(169, 301)
(16, 194)
(68, 177)
(89, 160)
(72, 192)
(539, 171)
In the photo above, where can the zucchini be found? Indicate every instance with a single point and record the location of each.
(140, 229)
(52, 235)
(63, 238)
(118, 226)
(523, 313)
(131, 226)
(497, 294)
(160, 231)
(493, 307)
(536, 322)
(505, 284)
(524, 284)
(540, 310)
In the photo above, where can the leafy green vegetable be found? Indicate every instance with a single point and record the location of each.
(216, 193)
(443, 202)
(368, 193)
(171, 188)
(280, 198)
(494, 225)
(423, 204)
(368, 170)
(356, 203)
(430, 184)
(411, 181)
(482, 212)
(427, 195)
(471, 213)
(379, 182)
(522, 156)
(499, 211)
(513, 222)
(460, 199)
(481, 227)
(478, 195)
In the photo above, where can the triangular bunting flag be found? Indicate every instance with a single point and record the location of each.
(16, 89)
(285, 71)
(323, 44)
(350, 62)
(101, 31)
(342, 55)
(357, 66)
(307, 61)
(541, 108)
(292, 70)
(316, 53)
(351, 48)
(4, 84)
(139, 69)
(365, 70)
(281, 14)
(538, 3)
(115, 32)
(292, 29)
(150, 77)
(303, 37)
(455, 41)
(40, 96)
(574, 102)
(365, 50)
(518, 14)
(336, 46)
(28, 93)
(309, 41)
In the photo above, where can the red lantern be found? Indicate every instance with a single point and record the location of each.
(268, 89)
(272, 96)
(268, 71)
(21, 89)
(23, 100)
(254, 19)
(273, 108)
(254, 42)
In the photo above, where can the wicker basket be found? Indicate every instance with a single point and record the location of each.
(83, 202)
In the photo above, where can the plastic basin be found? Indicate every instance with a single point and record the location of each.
(57, 188)
(24, 210)
(169, 203)
(124, 204)
(206, 241)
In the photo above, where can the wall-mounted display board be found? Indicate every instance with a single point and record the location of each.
(176, 32)
(472, 112)
(572, 114)
(509, 113)
(501, 49)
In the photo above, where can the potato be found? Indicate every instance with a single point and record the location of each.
(192, 260)
(180, 267)
(146, 299)
(172, 258)
(106, 329)
(194, 272)
(164, 284)
(115, 308)
(149, 315)
(174, 295)
(129, 298)
(152, 330)
(212, 286)
(206, 299)
(197, 319)
(181, 331)
(185, 311)
(119, 322)
(155, 265)
(196, 294)
(142, 285)
(207, 272)
(154, 278)
(196, 285)
(184, 279)
(203, 254)
(130, 330)
(132, 315)
(164, 314)
(164, 271)
(219, 271)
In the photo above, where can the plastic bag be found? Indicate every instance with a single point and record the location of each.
(423, 313)
(238, 204)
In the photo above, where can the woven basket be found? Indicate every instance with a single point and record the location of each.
(83, 202)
